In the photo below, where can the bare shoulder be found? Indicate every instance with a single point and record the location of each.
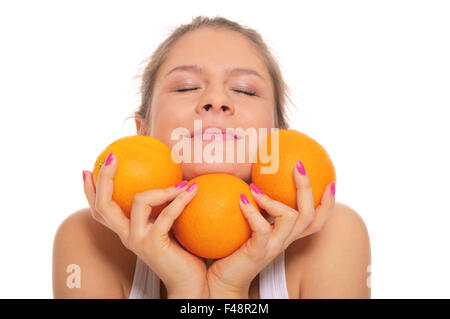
(343, 222)
(87, 251)
(334, 261)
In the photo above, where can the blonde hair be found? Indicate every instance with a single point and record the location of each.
(281, 90)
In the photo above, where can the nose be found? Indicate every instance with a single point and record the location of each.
(224, 108)
(215, 102)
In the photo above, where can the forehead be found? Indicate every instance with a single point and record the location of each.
(215, 49)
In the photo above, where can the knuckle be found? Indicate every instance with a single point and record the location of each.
(138, 199)
(170, 210)
(175, 205)
(101, 173)
(307, 183)
(292, 214)
(263, 199)
(168, 191)
(309, 218)
(265, 229)
(178, 203)
(182, 197)
(269, 202)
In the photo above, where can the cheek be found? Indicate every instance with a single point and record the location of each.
(260, 116)
(165, 120)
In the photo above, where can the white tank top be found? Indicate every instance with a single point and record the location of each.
(272, 281)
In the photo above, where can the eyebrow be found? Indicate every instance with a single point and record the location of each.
(197, 69)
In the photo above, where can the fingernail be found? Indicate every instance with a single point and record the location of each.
(333, 188)
(244, 199)
(300, 168)
(191, 187)
(181, 184)
(84, 176)
(109, 159)
(256, 189)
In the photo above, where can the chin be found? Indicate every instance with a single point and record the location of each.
(241, 170)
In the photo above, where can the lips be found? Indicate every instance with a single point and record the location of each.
(211, 132)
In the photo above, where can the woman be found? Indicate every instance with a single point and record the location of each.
(222, 73)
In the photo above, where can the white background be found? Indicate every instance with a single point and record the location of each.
(371, 80)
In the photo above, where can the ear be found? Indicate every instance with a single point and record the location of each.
(138, 122)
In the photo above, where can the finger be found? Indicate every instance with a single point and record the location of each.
(261, 229)
(285, 217)
(89, 191)
(170, 213)
(104, 204)
(323, 211)
(89, 188)
(305, 198)
(144, 202)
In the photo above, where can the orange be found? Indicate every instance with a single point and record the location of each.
(294, 146)
(143, 163)
(212, 224)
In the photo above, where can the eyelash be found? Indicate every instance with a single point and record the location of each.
(239, 91)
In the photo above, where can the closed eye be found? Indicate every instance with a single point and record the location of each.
(238, 91)
(246, 92)
(187, 89)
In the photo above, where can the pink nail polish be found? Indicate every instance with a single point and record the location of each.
(333, 188)
(256, 189)
(84, 176)
(109, 159)
(244, 199)
(181, 184)
(191, 187)
(300, 168)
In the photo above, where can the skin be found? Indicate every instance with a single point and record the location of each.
(215, 101)
(327, 248)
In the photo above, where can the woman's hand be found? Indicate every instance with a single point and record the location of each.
(230, 277)
(183, 274)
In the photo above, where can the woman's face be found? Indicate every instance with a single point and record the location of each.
(209, 84)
